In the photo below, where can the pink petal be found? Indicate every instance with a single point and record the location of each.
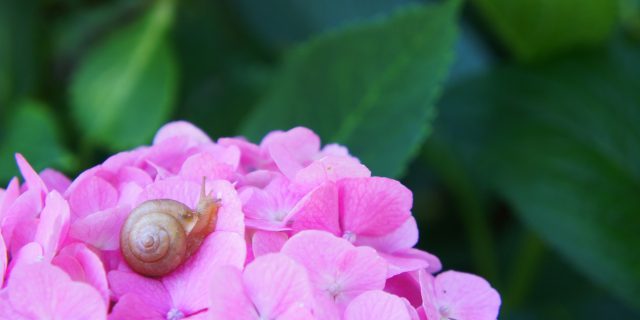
(54, 224)
(204, 164)
(181, 129)
(3, 260)
(287, 286)
(101, 229)
(189, 284)
(55, 293)
(25, 208)
(31, 177)
(10, 195)
(377, 305)
(228, 297)
(251, 157)
(458, 295)
(91, 195)
(274, 204)
(55, 180)
(373, 206)
(329, 168)
(131, 307)
(91, 269)
(403, 237)
(150, 291)
(264, 242)
(292, 150)
(405, 285)
(28, 254)
(318, 210)
(335, 266)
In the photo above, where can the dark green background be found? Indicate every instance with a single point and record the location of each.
(515, 123)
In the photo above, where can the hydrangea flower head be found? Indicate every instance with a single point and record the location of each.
(301, 231)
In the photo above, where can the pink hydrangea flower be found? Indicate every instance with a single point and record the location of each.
(302, 232)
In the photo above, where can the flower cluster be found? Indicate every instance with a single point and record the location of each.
(302, 232)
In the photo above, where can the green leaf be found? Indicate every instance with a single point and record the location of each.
(32, 131)
(562, 145)
(125, 88)
(537, 29)
(371, 87)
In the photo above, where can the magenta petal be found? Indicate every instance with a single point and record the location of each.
(373, 206)
(131, 307)
(318, 210)
(9, 196)
(377, 305)
(54, 224)
(101, 229)
(228, 297)
(405, 285)
(287, 286)
(91, 195)
(189, 284)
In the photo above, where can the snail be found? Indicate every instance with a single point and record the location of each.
(159, 235)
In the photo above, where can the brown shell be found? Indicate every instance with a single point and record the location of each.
(154, 237)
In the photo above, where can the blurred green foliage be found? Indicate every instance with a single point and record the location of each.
(531, 173)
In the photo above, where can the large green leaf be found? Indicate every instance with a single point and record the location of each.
(371, 87)
(536, 29)
(125, 88)
(32, 131)
(562, 145)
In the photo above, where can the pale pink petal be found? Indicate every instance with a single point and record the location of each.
(377, 305)
(91, 269)
(6, 309)
(373, 206)
(329, 168)
(57, 295)
(458, 295)
(132, 158)
(188, 285)
(334, 149)
(31, 177)
(228, 296)
(264, 242)
(296, 314)
(181, 129)
(170, 153)
(318, 210)
(251, 156)
(131, 307)
(54, 224)
(93, 194)
(223, 154)
(335, 266)
(130, 174)
(55, 180)
(150, 291)
(258, 178)
(286, 287)
(101, 229)
(24, 233)
(292, 150)
(275, 203)
(28, 254)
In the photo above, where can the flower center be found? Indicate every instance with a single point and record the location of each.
(349, 236)
(174, 314)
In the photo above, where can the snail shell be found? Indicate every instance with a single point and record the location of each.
(159, 235)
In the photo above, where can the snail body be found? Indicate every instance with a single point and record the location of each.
(159, 235)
